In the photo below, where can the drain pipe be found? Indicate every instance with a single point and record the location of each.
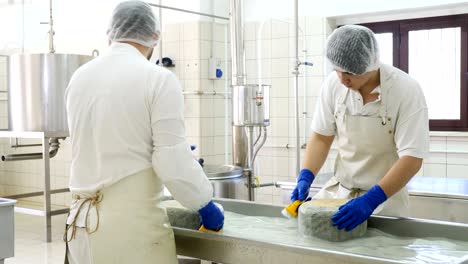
(53, 150)
(240, 140)
(295, 72)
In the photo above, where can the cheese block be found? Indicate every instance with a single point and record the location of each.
(315, 220)
(180, 216)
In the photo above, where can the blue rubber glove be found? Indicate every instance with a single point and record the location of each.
(211, 217)
(305, 179)
(358, 210)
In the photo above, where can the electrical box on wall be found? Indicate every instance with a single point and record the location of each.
(214, 71)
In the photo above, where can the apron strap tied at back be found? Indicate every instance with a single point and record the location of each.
(92, 201)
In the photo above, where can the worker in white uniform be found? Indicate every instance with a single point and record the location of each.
(126, 123)
(378, 117)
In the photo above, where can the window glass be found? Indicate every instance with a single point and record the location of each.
(434, 60)
(385, 41)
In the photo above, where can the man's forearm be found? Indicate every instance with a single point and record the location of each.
(400, 174)
(316, 153)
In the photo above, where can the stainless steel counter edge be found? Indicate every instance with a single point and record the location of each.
(227, 249)
(411, 191)
(438, 195)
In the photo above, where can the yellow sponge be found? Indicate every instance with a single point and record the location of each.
(203, 229)
(291, 210)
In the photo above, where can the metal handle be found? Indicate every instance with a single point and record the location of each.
(95, 53)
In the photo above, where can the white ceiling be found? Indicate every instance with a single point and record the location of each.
(259, 9)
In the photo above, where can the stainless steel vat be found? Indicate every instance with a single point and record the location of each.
(228, 181)
(251, 105)
(36, 89)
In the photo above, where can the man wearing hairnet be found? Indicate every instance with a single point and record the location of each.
(378, 117)
(126, 123)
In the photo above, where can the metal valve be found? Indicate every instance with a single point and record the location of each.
(259, 98)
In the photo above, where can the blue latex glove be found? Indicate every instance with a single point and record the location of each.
(305, 179)
(211, 217)
(358, 210)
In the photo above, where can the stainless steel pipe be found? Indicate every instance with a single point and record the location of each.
(53, 150)
(261, 144)
(297, 63)
(239, 135)
(187, 11)
(17, 145)
(250, 165)
(237, 43)
(51, 29)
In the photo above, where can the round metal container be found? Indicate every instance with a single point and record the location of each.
(228, 181)
(36, 91)
(251, 105)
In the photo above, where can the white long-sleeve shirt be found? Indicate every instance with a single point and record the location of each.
(406, 107)
(125, 115)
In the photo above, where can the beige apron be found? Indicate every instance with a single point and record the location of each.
(121, 224)
(366, 152)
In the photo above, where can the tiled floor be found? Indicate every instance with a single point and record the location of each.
(30, 245)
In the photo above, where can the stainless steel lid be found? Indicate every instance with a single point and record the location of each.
(222, 172)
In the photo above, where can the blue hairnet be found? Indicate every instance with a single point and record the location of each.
(353, 49)
(134, 21)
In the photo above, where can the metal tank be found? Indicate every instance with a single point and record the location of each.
(228, 181)
(252, 105)
(36, 91)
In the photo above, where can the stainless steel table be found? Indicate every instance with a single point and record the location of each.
(231, 249)
(444, 199)
(7, 229)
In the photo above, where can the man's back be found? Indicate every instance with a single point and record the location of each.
(109, 104)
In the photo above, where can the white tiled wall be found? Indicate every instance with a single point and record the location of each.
(27, 176)
(275, 162)
(190, 45)
(448, 157)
